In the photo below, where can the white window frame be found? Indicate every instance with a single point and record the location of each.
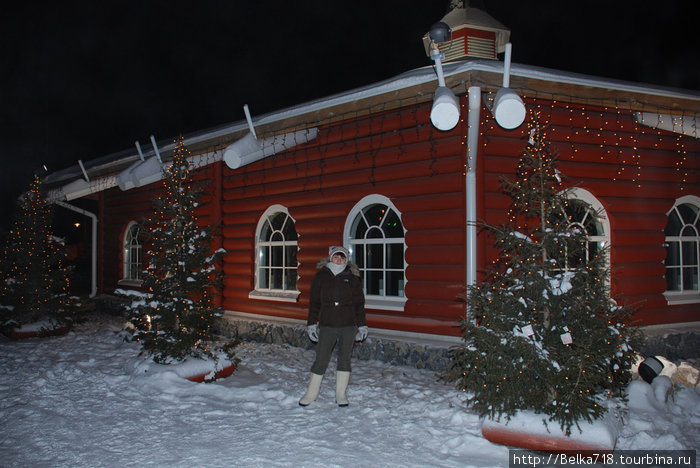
(595, 208)
(131, 243)
(268, 293)
(692, 296)
(376, 301)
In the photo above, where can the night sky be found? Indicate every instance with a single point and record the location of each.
(82, 80)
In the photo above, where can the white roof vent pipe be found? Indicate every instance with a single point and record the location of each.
(138, 148)
(249, 119)
(445, 111)
(142, 172)
(155, 148)
(508, 108)
(82, 168)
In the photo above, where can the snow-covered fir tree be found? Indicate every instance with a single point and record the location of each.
(35, 278)
(175, 318)
(542, 332)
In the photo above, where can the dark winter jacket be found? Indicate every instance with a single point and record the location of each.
(337, 301)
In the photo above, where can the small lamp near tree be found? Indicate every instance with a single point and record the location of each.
(650, 368)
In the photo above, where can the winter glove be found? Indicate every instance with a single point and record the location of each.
(361, 333)
(312, 330)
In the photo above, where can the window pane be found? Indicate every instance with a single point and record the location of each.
(359, 255)
(290, 279)
(689, 231)
(395, 282)
(688, 213)
(375, 214)
(375, 257)
(277, 256)
(375, 283)
(290, 259)
(374, 233)
(690, 279)
(690, 253)
(674, 225)
(576, 211)
(289, 232)
(673, 279)
(359, 228)
(593, 225)
(673, 254)
(394, 256)
(276, 278)
(264, 256)
(265, 232)
(593, 249)
(277, 221)
(392, 225)
(263, 278)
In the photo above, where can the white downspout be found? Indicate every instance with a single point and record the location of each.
(93, 216)
(474, 119)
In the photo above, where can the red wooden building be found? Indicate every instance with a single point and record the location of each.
(367, 169)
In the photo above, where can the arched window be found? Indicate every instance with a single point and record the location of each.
(682, 251)
(132, 250)
(586, 213)
(374, 235)
(276, 256)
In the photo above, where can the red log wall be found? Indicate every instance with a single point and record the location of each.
(395, 154)
(634, 171)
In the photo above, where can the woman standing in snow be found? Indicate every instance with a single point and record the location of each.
(336, 316)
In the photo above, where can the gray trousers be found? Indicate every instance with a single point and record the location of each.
(327, 339)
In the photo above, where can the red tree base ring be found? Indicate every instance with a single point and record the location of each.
(596, 437)
(23, 335)
(220, 374)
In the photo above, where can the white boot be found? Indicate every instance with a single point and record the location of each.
(341, 385)
(312, 391)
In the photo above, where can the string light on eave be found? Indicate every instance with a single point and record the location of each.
(682, 159)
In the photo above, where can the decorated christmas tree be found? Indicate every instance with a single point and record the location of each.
(542, 332)
(175, 318)
(35, 280)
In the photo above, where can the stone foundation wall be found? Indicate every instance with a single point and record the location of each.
(676, 347)
(387, 350)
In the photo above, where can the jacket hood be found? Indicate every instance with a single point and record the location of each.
(354, 269)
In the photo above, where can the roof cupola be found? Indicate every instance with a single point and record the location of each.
(475, 34)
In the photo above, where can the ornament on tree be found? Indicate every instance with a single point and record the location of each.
(542, 332)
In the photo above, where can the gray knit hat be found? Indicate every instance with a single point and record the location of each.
(334, 249)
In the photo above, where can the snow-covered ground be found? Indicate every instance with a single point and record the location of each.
(84, 400)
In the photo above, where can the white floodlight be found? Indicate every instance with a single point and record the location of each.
(508, 108)
(445, 111)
